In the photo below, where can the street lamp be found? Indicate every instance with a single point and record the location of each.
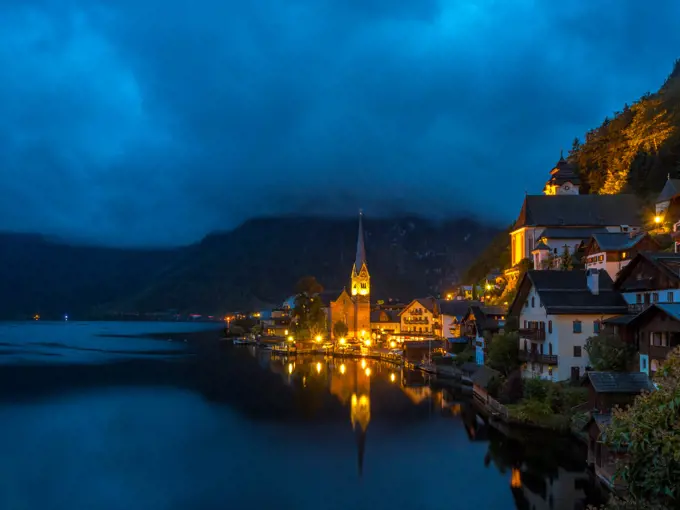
(657, 219)
(342, 340)
(318, 338)
(290, 338)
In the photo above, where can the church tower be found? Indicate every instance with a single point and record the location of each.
(360, 284)
(360, 279)
(564, 179)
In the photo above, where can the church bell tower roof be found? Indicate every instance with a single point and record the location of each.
(360, 259)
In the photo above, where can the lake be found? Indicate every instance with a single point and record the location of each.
(127, 422)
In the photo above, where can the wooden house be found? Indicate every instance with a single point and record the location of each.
(607, 390)
(612, 251)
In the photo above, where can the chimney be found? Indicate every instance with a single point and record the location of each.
(593, 280)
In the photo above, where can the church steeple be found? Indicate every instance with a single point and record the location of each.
(360, 278)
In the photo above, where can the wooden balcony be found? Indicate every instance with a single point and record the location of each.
(534, 334)
(537, 357)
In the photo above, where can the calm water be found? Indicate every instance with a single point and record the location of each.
(133, 423)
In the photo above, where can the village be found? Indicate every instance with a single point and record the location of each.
(580, 323)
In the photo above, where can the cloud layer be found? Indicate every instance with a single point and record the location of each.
(154, 122)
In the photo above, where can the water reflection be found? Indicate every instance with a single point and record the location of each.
(544, 472)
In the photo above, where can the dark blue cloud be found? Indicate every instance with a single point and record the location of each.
(149, 121)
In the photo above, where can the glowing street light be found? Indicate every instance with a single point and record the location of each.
(393, 377)
(342, 341)
(285, 332)
(367, 342)
(317, 338)
(393, 344)
(657, 219)
(488, 286)
(290, 338)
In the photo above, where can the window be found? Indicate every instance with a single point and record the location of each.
(577, 326)
(577, 351)
(549, 326)
(669, 297)
(540, 348)
(525, 324)
(644, 363)
(525, 345)
(363, 285)
(596, 327)
(550, 349)
(646, 298)
(533, 302)
(658, 339)
(638, 298)
(655, 297)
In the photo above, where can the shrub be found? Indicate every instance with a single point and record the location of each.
(536, 389)
(513, 389)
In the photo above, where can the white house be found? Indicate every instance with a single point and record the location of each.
(612, 252)
(558, 311)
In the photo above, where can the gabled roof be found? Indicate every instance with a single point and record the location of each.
(483, 316)
(542, 246)
(456, 308)
(567, 292)
(666, 263)
(672, 310)
(579, 211)
(360, 260)
(429, 303)
(330, 295)
(620, 382)
(392, 315)
(602, 420)
(670, 190)
(571, 233)
(618, 241)
(483, 375)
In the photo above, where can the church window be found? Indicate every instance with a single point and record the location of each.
(363, 285)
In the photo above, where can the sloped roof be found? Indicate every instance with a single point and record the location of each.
(428, 303)
(564, 171)
(571, 233)
(456, 308)
(670, 190)
(360, 259)
(567, 292)
(667, 263)
(620, 382)
(483, 375)
(618, 241)
(602, 420)
(579, 211)
(392, 315)
(542, 246)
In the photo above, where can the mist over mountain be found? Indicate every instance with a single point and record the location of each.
(254, 265)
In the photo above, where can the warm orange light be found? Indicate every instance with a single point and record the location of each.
(317, 338)
(393, 344)
(342, 341)
(342, 368)
(657, 219)
(318, 368)
(515, 479)
(393, 377)
(367, 372)
(290, 338)
(367, 342)
(363, 363)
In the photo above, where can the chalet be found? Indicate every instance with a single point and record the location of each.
(420, 319)
(452, 315)
(607, 390)
(481, 320)
(385, 323)
(612, 251)
(651, 277)
(656, 331)
(557, 312)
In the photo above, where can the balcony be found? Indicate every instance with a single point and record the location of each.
(416, 320)
(537, 357)
(638, 307)
(534, 334)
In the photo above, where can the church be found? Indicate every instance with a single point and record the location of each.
(354, 307)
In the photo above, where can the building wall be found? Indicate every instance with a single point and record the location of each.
(409, 313)
(562, 338)
(664, 296)
(363, 318)
(611, 266)
(343, 310)
(449, 322)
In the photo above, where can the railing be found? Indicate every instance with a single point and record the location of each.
(532, 333)
(490, 403)
(537, 357)
(638, 307)
(416, 320)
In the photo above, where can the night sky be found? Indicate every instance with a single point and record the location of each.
(155, 121)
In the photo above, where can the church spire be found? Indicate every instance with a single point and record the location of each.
(360, 259)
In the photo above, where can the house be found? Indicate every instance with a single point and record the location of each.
(657, 332)
(557, 312)
(607, 390)
(554, 242)
(481, 320)
(612, 251)
(452, 315)
(384, 324)
(651, 277)
(420, 320)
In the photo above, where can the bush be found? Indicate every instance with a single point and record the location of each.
(465, 356)
(513, 389)
(531, 411)
(536, 389)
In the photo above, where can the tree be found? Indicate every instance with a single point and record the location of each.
(650, 432)
(608, 353)
(566, 261)
(503, 354)
(513, 389)
(340, 329)
(308, 312)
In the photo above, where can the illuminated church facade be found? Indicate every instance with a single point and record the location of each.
(354, 307)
